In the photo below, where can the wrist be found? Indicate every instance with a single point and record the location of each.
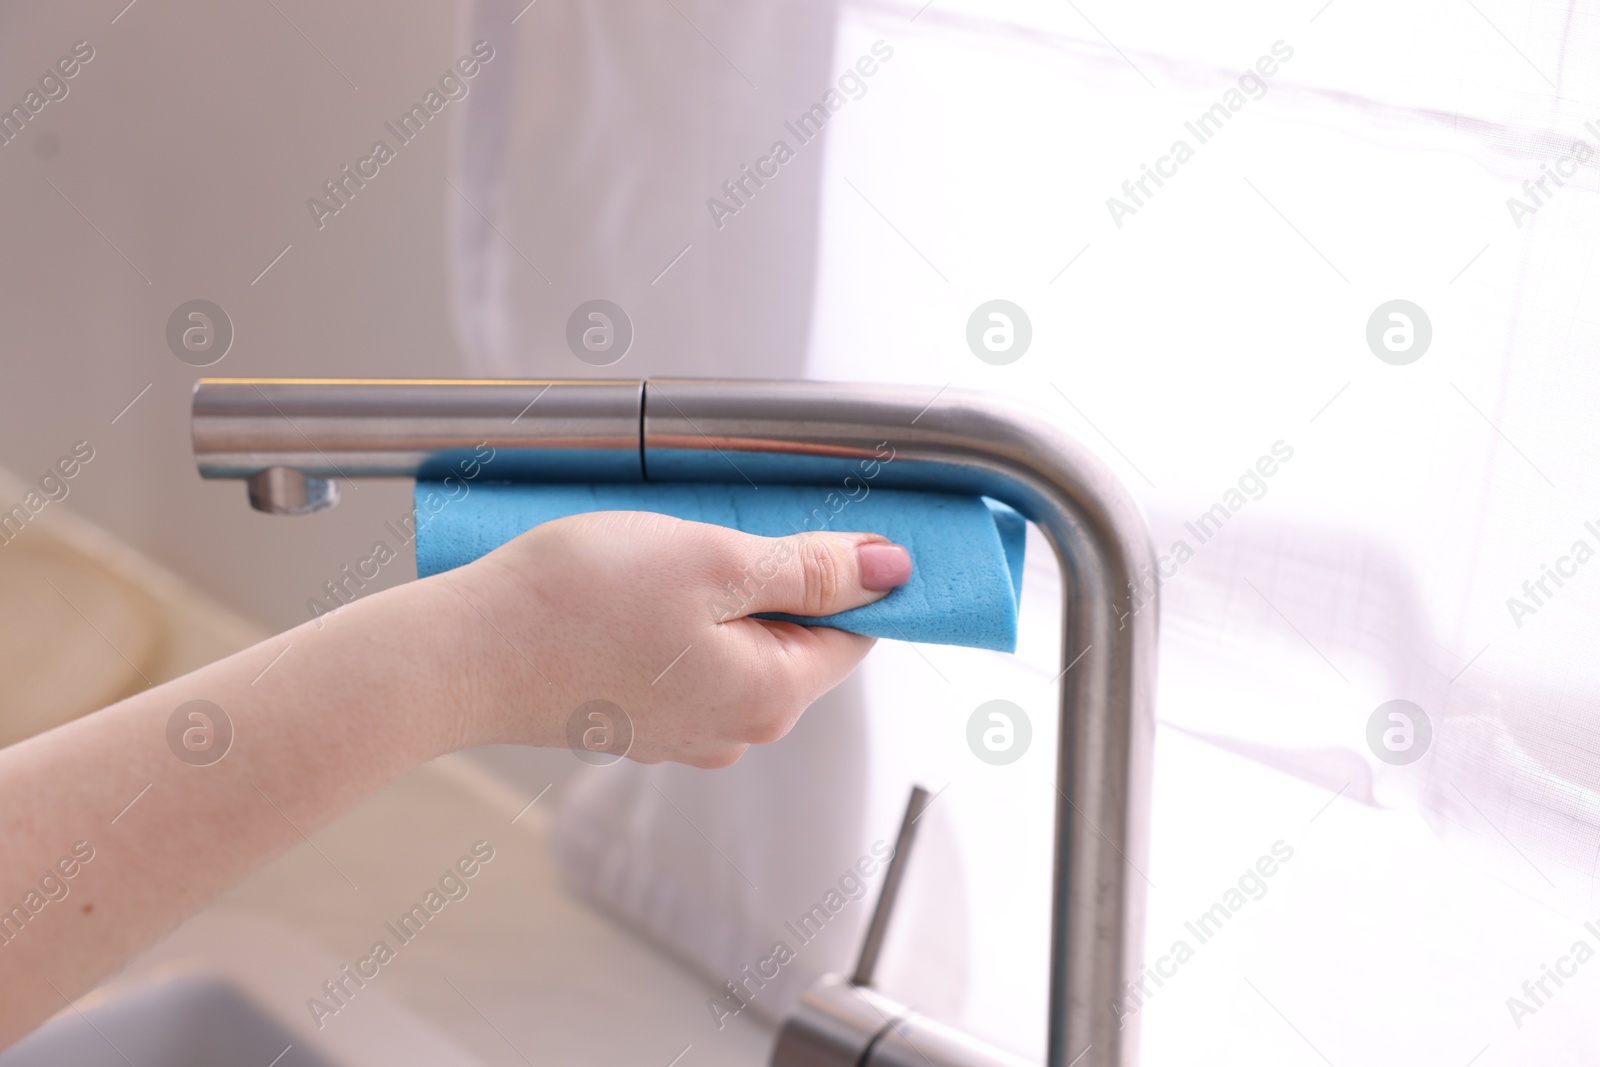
(413, 649)
(485, 663)
(458, 692)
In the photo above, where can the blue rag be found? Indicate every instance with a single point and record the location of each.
(966, 551)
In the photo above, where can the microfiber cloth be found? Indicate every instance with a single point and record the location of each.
(966, 551)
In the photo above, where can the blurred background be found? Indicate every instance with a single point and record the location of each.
(1182, 330)
(177, 168)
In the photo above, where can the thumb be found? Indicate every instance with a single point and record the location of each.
(825, 573)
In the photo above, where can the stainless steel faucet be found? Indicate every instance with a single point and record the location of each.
(293, 440)
(843, 1022)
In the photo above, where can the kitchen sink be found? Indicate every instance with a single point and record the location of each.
(188, 1020)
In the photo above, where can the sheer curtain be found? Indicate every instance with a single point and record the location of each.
(1429, 531)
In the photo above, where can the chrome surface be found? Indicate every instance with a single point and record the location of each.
(286, 491)
(805, 432)
(960, 441)
(834, 1025)
(340, 429)
(841, 1023)
(917, 1041)
(878, 927)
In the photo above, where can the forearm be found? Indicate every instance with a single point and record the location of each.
(114, 830)
(352, 704)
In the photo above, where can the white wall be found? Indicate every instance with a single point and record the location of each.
(192, 141)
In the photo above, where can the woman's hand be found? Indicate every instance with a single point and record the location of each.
(652, 614)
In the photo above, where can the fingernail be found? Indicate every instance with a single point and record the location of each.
(884, 566)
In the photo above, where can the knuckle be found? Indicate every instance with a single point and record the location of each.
(786, 696)
(823, 575)
(716, 760)
(767, 728)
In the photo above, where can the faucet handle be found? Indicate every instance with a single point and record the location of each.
(878, 927)
(847, 1023)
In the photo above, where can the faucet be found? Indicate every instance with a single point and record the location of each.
(293, 440)
(844, 1022)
